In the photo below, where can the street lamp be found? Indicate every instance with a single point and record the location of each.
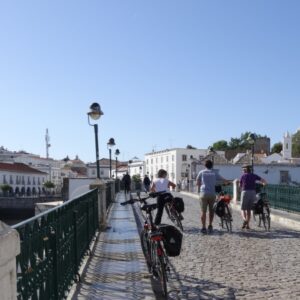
(251, 140)
(95, 113)
(212, 152)
(117, 152)
(110, 145)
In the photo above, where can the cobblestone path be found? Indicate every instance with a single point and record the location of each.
(251, 264)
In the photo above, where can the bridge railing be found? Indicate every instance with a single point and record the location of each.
(53, 245)
(283, 197)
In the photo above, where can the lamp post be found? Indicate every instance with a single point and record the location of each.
(251, 140)
(117, 152)
(110, 145)
(95, 113)
(212, 152)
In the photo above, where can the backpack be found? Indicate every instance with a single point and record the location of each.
(258, 207)
(219, 208)
(178, 204)
(172, 239)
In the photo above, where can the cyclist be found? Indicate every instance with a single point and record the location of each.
(206, 180)
(248, 193)
(160, 184)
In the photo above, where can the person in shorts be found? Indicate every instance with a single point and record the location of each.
(248, 193)
(206, 181)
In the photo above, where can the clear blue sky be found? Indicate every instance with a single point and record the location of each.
(166, 73)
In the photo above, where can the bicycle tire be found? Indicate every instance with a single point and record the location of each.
(163, 275)
(228, 219)
(146, 247)
(268, 219)
(179, 223)
(167, 208)
(263, 218)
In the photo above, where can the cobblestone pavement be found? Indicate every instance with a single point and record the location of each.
(251, 264)
(246, 264)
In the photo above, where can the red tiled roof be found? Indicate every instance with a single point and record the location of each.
(19, 167)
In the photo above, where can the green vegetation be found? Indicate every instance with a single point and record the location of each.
(241, 143)
(296, 144)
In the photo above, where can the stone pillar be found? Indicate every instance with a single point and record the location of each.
(101, 186)
(9, 249)
(236, 191)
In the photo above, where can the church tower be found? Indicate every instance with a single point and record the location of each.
(287, 146)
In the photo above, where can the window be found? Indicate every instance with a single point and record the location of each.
(284, 176)
(4, 179)
(151, 161)
(173, 158)
(11, 181)
(167, 158)
(184, 158)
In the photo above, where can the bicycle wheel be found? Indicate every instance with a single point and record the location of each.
(263, 219)
(177, 220)
(146, 247)
(267, 218)
(162, 273)
(228, 219)
(167, 208)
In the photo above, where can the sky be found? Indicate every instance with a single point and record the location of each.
(166, 73)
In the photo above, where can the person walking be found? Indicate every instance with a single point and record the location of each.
(146, 183)
(248, 193)
(162, 183)
(206, 182)
(127, 183)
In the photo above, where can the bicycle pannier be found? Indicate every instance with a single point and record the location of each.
(172, 239)
(258, 207)
(219, 208)
(178, 204)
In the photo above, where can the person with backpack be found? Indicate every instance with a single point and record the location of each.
(160, 184)
(248, 193)
(206, 181)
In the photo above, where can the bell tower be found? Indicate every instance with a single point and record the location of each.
(287, 146)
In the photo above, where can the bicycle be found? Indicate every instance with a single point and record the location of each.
(174, 209)
(157, 242)
(262, 208)
(222, 209)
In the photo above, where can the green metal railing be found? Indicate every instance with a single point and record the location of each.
(283, 197)
(228, 189)
(53, 245)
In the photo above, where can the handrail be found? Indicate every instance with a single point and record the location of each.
(53, 245)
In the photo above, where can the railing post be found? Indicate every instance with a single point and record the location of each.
(236, 191)
(9, 249)
(101, 186)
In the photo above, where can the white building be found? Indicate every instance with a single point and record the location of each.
(23, 179)
(177, 162)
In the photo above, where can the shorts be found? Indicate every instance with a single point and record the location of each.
(207, 200)
(248, 197)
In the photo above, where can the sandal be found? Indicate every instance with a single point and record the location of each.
(245, 224)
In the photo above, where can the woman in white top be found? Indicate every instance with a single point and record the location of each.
(162, 183)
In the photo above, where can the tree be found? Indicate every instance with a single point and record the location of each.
(220, 145)
(296, 144)
(5, 188)
(49, 185)
(190, 147)
(276, 148)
